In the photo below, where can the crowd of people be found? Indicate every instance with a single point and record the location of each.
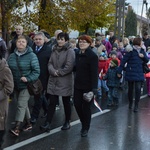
(68, 68)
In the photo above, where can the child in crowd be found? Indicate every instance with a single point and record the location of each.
(113, 83)
(119, 54)
(121, 48)
(107, 44)
(102, 70)
(112, 55)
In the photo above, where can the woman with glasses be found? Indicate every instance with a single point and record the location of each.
(86, 80)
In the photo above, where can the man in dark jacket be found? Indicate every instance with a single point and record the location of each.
(19, 31)
(112, 38)
(43, 53)
(146, 40)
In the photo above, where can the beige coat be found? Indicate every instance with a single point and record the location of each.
(61, 61)
(6, 88)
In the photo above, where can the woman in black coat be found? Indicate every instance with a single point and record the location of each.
(86, 80)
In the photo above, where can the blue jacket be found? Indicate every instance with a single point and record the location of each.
(111, 76)
(134, 69)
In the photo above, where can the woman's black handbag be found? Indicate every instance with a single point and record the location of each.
(35, 87)
(145, 68)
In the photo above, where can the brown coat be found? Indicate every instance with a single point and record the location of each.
(6, 88)
(61, 60)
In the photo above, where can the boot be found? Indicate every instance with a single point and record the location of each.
(16, 130)
(45, 127)
(2, 132)
(130, 104)
(66, 126)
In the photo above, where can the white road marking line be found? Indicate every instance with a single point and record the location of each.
(143, 96)
(43, 135)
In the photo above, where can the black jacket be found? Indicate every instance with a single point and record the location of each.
(112, 40)
(86, 69)
(43, 57)
(146, 43)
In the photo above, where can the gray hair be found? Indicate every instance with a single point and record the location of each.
(57, 32)
(40, 33)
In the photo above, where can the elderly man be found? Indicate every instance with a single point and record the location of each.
(19, 31)
(43, 53)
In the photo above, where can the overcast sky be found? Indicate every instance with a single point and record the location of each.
(137, 6)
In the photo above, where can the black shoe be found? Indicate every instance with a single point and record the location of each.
(66, 126)
(45, 127)
(33, 120)
(84, 133)
(116, 103)
(110, 105)
(136, 107)
(130, 106)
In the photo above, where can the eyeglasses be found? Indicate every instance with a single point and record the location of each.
(82, 42)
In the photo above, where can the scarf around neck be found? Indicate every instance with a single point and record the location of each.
(64, 47)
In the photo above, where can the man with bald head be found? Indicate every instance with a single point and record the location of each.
(19, 31)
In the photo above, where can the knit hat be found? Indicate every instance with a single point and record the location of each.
(102, 54)
(114, 62)
(113, 52)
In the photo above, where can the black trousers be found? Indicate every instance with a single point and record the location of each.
(2, 132)
(83, 108)
(134, 86)
(40, 101)
(52, 106)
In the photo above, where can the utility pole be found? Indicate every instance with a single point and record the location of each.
(147, 17)
(119, 18)
(140, 30)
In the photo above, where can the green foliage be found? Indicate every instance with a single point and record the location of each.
(85, 14)
(50, 15)
(131, 24)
